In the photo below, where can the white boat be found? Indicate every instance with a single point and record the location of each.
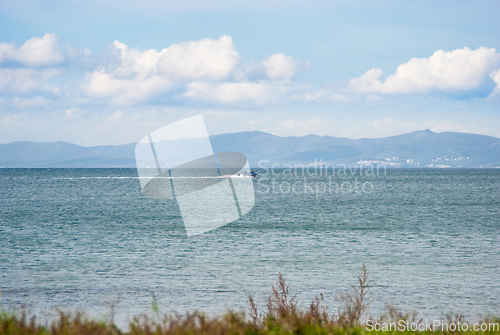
(246, 174)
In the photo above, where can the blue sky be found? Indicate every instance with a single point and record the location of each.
(109, 72)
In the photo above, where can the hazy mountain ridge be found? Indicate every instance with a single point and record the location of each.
(421, 147)
(416, 149)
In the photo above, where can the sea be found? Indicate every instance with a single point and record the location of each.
(88, 240)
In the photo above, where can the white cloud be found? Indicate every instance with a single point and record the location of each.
(124, 91)
(280, 66)
(495, 75)
(457, 70)
(141, 75)
(206, 59)
(35, 52)
(34, 102)
(229, 93)
(201, 69)
(102, 84)
(135, 62)
(26, 80)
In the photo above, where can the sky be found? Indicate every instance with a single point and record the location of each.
(110, 72)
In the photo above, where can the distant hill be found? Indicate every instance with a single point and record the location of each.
(63, 154)
(417, 149)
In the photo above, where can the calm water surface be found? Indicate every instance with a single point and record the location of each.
(82, 239)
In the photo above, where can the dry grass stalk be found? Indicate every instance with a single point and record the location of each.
(279, 303)
(254, 313)
(355, 301)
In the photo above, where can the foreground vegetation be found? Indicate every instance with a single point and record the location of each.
(282, 316)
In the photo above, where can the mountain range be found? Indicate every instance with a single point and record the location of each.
(417, 149)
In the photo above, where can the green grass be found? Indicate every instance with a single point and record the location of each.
(282, 316)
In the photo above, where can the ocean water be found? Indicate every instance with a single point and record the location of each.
(86, 239)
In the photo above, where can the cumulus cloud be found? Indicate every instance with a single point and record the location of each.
(124, 91)
(207, 70)
(280, 66)
(495, 75)
(206, 59)
(229, 93)
(27, 80)
(450, 71)
(30, 68)
(38, 51)
(277, 67)
(140, 75)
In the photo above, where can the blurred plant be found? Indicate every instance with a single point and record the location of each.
(154, 303)
(111, 305)
(355, 303)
